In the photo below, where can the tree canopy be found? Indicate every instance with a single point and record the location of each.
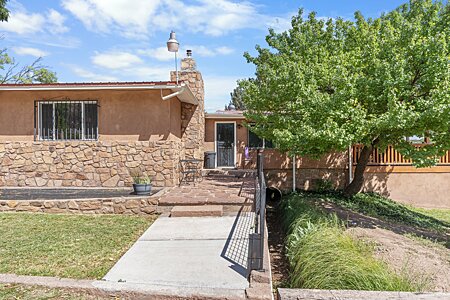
(4, 12)
(324, 85)
(237, 97)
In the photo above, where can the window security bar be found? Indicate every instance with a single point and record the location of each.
(66, 120)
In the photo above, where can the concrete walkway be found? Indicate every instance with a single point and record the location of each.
(201, 257)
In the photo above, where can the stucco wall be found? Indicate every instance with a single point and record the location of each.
(124, 115)
(241, 138)
(426, 187)
(137, 131)
(422, 189)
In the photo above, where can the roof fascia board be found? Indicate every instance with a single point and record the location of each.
(186, 95)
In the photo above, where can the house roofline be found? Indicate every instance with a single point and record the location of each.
(224, 116)
(186, 94)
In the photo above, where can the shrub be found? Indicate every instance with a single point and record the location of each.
(324, 185)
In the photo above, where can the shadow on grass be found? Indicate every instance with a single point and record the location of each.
(370, 210)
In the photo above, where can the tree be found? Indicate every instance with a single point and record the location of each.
(324, 85)
(4, 12)
(13, 72)
(237, 97)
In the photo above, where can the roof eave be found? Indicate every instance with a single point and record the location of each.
(224, 116)
(186, 96)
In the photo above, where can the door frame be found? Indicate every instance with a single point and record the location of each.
(234, 143)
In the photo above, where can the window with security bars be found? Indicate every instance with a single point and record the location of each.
(66, 120)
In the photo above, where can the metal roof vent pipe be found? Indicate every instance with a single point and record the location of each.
(172, 46)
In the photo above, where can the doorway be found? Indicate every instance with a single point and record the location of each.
(226, 144)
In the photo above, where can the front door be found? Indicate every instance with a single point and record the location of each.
(225, 143)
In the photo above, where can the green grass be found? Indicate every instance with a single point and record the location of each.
(323, 256)
(72, 246)
(438, 214)
(374, 205)
(22, 292)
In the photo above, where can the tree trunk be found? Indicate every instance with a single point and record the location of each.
(358, 178)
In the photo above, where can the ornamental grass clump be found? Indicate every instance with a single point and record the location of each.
(323, 256)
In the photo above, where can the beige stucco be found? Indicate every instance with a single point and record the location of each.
(138, 132)
(422, 187)
(124, 115)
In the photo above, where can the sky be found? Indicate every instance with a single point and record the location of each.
(124, 40)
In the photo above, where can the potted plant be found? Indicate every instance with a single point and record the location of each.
(142, 184)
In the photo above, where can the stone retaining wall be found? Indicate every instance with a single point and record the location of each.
(88, 164)
(122, 205)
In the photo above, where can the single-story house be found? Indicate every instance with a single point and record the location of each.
(388, 173)
(98, 134)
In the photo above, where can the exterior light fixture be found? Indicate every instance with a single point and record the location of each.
(173, 46)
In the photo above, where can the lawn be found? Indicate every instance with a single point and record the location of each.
(71, 246)
(23, 292)
(439, 214)
(374, 205)
(322, 255)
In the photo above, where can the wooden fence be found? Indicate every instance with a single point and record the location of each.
(391, 157)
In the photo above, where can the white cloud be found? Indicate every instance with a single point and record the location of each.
(132, 73)
(56, 22)
(91, 76)
(131, 18)
(217, 91)
(30, 51)
(200, 50)
(115, 60)
(130, 67)
(22, 22)
(146, 73)
(159, 53)
(162, 54)
(224, 50)
(139, 18)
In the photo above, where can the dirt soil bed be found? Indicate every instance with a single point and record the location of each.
(424, 260)
(278, 260)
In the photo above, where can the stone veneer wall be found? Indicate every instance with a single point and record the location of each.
(123, 205)
(88, 164)
(192, 116)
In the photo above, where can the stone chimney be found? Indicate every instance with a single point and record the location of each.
(192, 116)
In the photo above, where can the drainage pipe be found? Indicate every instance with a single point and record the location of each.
(294, 164)
(181, 90)
(350, 164)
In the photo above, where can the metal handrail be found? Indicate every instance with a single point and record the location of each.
(256, 239)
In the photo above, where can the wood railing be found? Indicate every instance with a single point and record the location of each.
(391, 157)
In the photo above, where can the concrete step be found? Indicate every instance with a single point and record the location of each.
(197, 211)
